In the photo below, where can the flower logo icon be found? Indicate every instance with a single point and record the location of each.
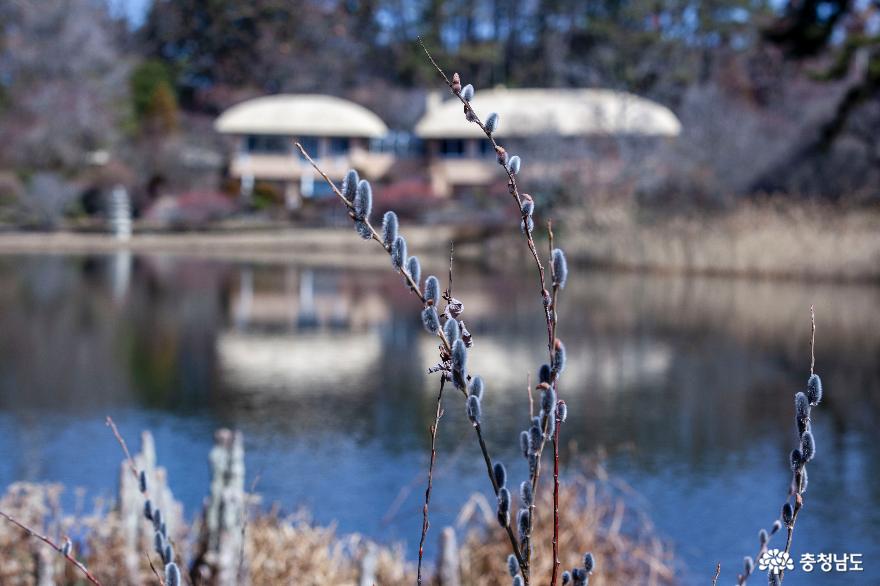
(776, 561)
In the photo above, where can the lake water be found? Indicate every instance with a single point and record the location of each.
(685, 384)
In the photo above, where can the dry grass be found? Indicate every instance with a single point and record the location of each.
(594, 519)
(770, 238)
(32, 506)
(293, 550)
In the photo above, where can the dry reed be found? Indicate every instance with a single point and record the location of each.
(291, 549)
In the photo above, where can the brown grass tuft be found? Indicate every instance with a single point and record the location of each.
(593, 519)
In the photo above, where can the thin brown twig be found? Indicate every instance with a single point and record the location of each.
(137, 475)
(812, 339)
(531, 399)
(131, 464)
(70, 559)
(425, 523)
(451, 257)
(556, 495)
(437, 415)
(406, 490)
(717, 573)
(155, 571)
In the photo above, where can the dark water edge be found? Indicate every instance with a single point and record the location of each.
(685, 383)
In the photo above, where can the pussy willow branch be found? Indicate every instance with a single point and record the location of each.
(446, 346)
(717, 573)
(793, 490)
(514, 192)
(553, 315)
(558, 421)
(522, 561)
(374, 235)
(798, 505)
(554, 382)
(136, 473)
(548, 303)
(70, 559)
(425, 523)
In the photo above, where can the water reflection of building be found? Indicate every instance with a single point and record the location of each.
(291, 327)
(335, 131)
(557, 125)
(594, 365)
(303, 299)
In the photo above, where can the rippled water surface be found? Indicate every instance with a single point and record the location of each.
(684, 384)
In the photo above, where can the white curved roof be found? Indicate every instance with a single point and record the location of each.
(566, 112)
(300, 115)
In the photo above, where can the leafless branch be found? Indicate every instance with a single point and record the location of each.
(812, 339)
(137, 474)
(512, 187)
(548, 301)
(425, 524)
(131, 464)
(66, 555)
(556, 494)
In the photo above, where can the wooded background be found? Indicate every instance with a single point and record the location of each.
(773, 96)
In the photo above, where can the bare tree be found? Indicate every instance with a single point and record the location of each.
(64, 82)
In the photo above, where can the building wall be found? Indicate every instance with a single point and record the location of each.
(448, 166)
(296, 174)
(599, 160)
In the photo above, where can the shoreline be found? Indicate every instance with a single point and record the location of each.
(755, 242)
(312, 246)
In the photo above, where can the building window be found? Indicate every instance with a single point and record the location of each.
(484, 147)
(452, 147)
(322, 190)
(311, 144)
(268, 144)
(339, 146)
(401, 144)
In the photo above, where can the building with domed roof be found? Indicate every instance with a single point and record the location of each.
(558, 132)
(337, 133)
(555, 125)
